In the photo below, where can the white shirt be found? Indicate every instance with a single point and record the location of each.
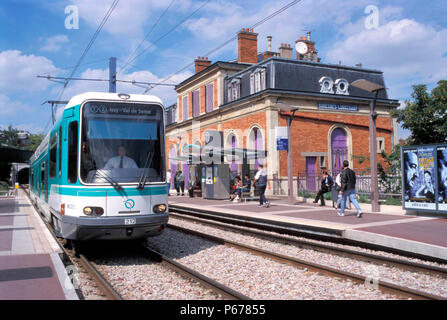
(260, 172)
(168, 176)
(338, 179)
(114, 163)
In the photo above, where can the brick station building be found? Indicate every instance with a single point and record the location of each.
(240, 99)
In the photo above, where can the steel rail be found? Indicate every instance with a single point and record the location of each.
(192, 274)
(103, 285)
(297, 232)
(344, 252)
(383, 286)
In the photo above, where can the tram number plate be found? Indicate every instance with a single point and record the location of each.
(130, 221)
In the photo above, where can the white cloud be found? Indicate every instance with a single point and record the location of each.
(129, 16)
(405, 50)
(18, 71)
(55, 43)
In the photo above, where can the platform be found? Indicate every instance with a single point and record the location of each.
(30, 265)
(425, 236)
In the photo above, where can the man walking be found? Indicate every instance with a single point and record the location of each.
(348, 189)
(260, 183)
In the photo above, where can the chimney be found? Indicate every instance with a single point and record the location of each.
(201, 63)
(247, 42)
(269, 41)
(286, 51)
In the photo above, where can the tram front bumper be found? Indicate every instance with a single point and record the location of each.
(113, 228)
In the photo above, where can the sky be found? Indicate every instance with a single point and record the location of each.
(407, 40)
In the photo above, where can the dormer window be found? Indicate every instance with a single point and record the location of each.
(234, 89)
(257, 80)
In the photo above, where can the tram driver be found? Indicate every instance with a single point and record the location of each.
(120, 161)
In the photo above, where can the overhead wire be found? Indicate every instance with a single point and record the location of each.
(170, 30)
(92, 40)
(146, 36)
(257, 24)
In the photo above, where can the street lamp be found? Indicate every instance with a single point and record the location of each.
(288, 108)
(373, 88)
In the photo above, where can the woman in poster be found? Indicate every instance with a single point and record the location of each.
(427, 190)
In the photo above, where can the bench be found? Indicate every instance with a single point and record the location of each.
(247, 195)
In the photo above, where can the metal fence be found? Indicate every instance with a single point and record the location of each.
(309, 184)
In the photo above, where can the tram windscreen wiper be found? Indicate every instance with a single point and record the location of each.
(109, 179)
(146, 167)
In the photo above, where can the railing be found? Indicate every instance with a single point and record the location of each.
(308, 184)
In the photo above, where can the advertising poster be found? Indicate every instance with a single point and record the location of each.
(442, 177)
(419, 178)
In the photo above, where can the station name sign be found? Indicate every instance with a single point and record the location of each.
(119, 109)
(337, 107)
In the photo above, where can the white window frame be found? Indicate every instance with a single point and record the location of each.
(257, 80)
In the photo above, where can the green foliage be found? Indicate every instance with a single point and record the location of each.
(425, 115)
(388, 170)
(10, 138)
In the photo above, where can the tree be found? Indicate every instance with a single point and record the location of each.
(10, 137)
(34, 141)
(426, 115)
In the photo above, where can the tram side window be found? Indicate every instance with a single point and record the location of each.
(42, 177)
(31, 184)
(60, 152)
(72, 152)
(53, 156)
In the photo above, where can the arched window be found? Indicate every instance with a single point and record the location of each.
(339, 149)
(256, 143)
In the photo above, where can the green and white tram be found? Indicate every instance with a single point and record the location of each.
(100, 173)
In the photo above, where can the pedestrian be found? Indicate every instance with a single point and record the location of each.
(348, 181)
(260, 183)
(326, 185)
(197, 185)
(337, 188)
(176, 183)
(168, 180)
(181, 183)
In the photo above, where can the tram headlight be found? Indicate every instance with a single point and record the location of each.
(159, 208)
(98, 211)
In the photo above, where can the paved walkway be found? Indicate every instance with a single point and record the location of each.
(30, 266)
(422, 235)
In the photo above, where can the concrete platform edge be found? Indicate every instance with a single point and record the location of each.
(397, 243)
(65, 282)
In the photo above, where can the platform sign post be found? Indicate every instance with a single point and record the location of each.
(424, 178)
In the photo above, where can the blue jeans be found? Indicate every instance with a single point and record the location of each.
(351, 194)
(262, 198)
(240, 190)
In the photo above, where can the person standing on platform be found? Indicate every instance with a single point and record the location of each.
(181, 183)
(326, 185)
(337, 188)
(168, 180)
(260, 183)
(348, 182)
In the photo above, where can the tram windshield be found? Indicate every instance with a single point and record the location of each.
(120, 142)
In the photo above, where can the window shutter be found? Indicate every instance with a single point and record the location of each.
(252, 83)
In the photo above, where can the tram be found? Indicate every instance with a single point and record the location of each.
(100, 173)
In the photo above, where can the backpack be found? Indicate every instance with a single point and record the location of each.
(262, 181)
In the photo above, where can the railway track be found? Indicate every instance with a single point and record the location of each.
(107, 289)
(81, 263)
(384, 286)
